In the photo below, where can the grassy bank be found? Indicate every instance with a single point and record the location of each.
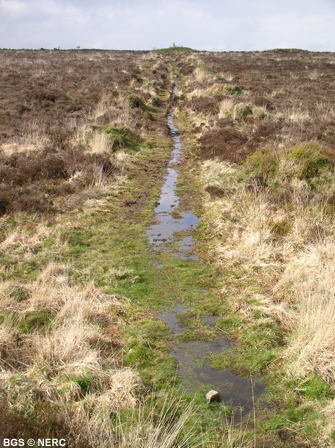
(267, 226)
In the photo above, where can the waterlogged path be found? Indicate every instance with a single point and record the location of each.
(192, 357)
(167, 225)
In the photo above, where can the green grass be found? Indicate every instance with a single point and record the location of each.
(36, 320)
(181, 49)
(122, 137)
(147, 351)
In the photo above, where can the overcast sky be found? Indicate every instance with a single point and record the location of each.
(143, 25)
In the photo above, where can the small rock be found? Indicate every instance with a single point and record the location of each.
(212, 396)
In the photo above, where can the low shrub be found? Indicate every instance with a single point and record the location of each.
(308, 160)
(29, 204)
(263, 162)
(240, 111)
(302, 162)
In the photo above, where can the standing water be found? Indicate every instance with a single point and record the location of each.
(191, 356)
(167, 225)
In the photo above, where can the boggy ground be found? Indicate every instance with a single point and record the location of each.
(82, 355)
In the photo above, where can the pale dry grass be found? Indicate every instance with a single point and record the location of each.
(325, 110)
(119, 106)
(298, 115)
(199, 75)
(33, 139)
(225, 107)
(314, 74)
(309, 281)
(227, 76)
(244, 234)
(259, 112)
(195, 92)
(122, 161)
(101, 144)
(147, 426)
(54, 363)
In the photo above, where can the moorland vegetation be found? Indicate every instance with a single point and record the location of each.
(84, 147)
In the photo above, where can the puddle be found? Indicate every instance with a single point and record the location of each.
(195, 372)
(191, 356)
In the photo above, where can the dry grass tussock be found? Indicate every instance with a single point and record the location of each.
(225, 107)
(118, 108)
(288, 236)
(60, 344)
(309, 282)
(200, 75)
(164, 428)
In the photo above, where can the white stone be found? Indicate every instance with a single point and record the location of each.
(212, 396)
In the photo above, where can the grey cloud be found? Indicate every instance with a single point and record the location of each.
(129, 24)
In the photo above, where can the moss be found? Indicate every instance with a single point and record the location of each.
(137, 102)
(225, 89)
(84, 382)
(315, 388)
(146, 350)
(240, 111)
(306, 162)
(122, 138)
(176, 214)
(236, 90)
(207, 68)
